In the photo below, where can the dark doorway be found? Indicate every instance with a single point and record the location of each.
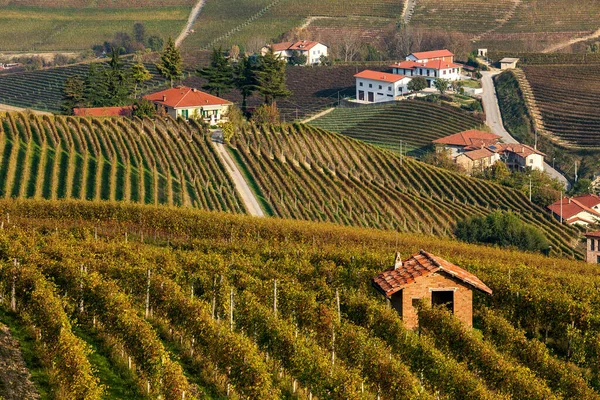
(361, 95)
(371, 97)
(443, 297)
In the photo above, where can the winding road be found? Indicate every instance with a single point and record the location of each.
(493, 119)
(190, 22)
(241, 186)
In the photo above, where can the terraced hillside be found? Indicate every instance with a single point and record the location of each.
(152, 162)
(199, 305)
(306, 173)
(78, 25)
(249, 22)
(43, 89)
(568, 97)
(409, 126)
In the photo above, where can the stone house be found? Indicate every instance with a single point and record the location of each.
(424, 276)
(477, 160)
(592, 254)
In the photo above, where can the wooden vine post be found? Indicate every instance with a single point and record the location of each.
(231, 310)
(13, 292)
(148, 294)
(275, 297)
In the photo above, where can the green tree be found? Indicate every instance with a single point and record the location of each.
(441, 85)
(219, 74)
(155, 43)
(266, 114)
(582, 186)
(118, 81)
(171, 63)
(244, 79)
(417, 84)
(95, 86)
(73, 93)
(297, 58)
(270, 76)
(139, 75)
(144, 108)
(139, 32)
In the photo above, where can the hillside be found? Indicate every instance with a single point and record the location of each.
(152, 162)
(185, 300)
(306, 173)
(77, 25)
(410, 124)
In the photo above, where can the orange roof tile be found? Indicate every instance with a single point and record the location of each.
(103, 111)
(469, 138)
(406, 65)
(185, 97)
(281, 46)
(300, 45)
(570, 208)
(478, 154)
(440, 64)
(422, 264)
(379, 76)
(423, 55)
(588, 200)
(517, 148)
(595, 234)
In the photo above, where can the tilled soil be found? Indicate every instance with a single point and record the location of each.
(15, 379)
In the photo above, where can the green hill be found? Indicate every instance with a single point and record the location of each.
(410, 124)
(178, 301)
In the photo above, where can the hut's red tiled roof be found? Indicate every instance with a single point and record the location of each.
(469, 138)
(300, 45)
(185, 97)
(479, 154)
(521, 149)
(422, 264)
(103, 112)
(595, 235)
(588, 200)
(440, 64)
(424, 55)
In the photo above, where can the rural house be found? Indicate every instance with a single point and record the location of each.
(508, 63)
(466, 141)
(477, 160)
(592, 254)
(429, 65)
(312, 50)
(517, 156)
(377, 87)
(189, 103)
(431, 278)
(579, 210)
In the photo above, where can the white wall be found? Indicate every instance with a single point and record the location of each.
(388, 91)
(314, 54)
(535, 161)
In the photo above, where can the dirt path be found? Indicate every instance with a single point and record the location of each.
(6, 107)
(15, 379)
(318, 115)
(567, 43)
(501, 23)
(240, 183)
(408, 11)
(310, 20)
(191, 20)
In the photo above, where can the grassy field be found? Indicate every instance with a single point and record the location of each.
(171, 301)
(40, 29)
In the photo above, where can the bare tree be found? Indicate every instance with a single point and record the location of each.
(349, 45)
(255, 44)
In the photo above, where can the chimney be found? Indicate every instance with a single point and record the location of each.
(194, 90)
(398, 261)
(164, 97)
(569, 200)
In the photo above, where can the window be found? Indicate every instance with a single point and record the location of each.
(592, 244)
(379, 87)
(531, 161)
(443, 298)
(389, 88)
(360, 84)
(370, 85)
(415, 301)
(598, 260)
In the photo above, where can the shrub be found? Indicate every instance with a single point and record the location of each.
(505, 229)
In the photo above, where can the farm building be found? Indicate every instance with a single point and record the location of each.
(189, 103)
(466, 141)
(518, 156)
(592, 254)
(424, 276)
(312, 50)
(377, 87)
(477, 160)
(434, 55)
(580, 210)
(508, 63)
(429, 65)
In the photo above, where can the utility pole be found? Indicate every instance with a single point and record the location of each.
(575, 171)
(561, 207)
(530, 188)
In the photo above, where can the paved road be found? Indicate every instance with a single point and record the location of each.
(240, 183)
(190, 22)
(493, 118)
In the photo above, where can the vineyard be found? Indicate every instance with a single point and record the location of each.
(188, 304)
(159, 161)
(43, 89)
(302, 172)
(44, 28)
(568, 97)
(409, 126)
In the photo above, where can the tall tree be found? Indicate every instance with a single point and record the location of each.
(219, 74)
(139, 32)
(244, 79)
(139, 74)
(118, 81)
(441, 85)
(270, 76)
(171, 63)
(73, 93)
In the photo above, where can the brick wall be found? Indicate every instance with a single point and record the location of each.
(592, 255)
(422, 288)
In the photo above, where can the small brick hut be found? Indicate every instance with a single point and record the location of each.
(425, 276)
(592, 254)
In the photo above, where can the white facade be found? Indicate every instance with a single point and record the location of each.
(377, 91)
(313, 55)
(312, 50)
(212, 114)
(430, 74)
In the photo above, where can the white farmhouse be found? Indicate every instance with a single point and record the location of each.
(517, 156)
(574, 212)
(377, 87)
(312, 50)
(429, 65)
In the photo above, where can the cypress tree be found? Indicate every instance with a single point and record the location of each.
(245, 79)
(171, 63)
(219, 74)
(270, 76)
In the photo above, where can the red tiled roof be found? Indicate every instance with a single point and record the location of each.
(588, 200)
(595, 234)
(406, 65)
(103, 112)
(379, 76)
(479, 154)
(299, 45)
(422, 264)
(518, 148)
(182, 97)
(432, 54)
(469, 138)
(570, 208)
(440, 64)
